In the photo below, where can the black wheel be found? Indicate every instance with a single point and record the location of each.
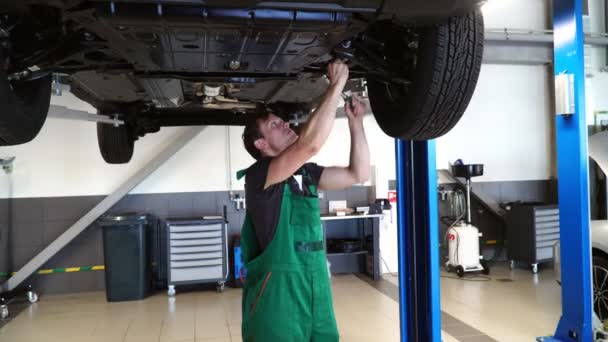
(460, 271)
(486, 267)
(24, 106)
(115, 143)
(443, 75)
(600, 286)
(449, 268)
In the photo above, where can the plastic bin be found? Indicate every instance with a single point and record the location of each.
(127, 256)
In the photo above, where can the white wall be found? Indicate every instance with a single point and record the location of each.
(507, 126)
(516, 14)
(64, 160)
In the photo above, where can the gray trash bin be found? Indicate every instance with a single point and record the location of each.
(127, 256)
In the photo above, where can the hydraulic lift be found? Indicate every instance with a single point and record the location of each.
(573, 173)
(418, 240)
(418, 236)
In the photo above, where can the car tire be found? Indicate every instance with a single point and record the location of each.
(24, 106)
(116, 143)
(600, 286)
(448, 62)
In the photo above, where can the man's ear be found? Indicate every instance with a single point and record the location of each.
(260, 144)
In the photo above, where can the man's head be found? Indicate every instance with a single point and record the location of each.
(267, 136)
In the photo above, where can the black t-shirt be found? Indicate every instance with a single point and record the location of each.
(264, 206)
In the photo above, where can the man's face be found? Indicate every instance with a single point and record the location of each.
(277, 136)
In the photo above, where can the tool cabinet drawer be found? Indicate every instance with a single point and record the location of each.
(196, 263)
(176, 250)
(195, 228)
(547, 237)
(188, 274)
(195, 235)
(196, 256)
(544, 253)
(196, 242)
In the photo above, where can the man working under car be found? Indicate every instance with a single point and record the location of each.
(287, 294)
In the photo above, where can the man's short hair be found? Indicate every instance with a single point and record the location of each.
(252, 133)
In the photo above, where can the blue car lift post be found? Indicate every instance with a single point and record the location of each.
(418, 237)
(572, 168)
(418, 240)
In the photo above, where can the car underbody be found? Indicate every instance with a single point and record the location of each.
(176, 63)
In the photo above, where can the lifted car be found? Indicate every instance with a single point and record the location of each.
(165, 63)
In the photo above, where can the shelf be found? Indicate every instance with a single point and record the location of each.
(352, 253)
(328, 217)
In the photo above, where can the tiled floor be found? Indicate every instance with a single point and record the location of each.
(453, 329)
(506, 311)
(514, 306)
(190, 317)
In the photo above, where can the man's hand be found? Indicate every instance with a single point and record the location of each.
(315, 132)
(337, 72)
(356, 109)
(338, 178)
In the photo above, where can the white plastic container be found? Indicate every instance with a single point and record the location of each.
(463, 246)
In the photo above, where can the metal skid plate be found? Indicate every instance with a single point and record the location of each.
(201, 39)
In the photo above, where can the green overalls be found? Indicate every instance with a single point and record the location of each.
(287, 293)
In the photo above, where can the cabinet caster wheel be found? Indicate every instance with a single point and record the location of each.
(4, 312)
(486, 267)
(460, 271)
(534, 268)
(449, 268)
(32, 297)
(220, 287)
(512, 264)
(171, 291)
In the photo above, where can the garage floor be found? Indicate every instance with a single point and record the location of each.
(506, 311)
(514, 306)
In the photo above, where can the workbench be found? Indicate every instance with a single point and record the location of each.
(354, 227)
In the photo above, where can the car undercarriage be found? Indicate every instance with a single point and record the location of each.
(177, 63)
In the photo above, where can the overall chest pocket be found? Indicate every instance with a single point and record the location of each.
(305, 212)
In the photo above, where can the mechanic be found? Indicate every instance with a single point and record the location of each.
(287, 293)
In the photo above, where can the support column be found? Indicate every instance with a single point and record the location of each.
(572, 168)
(418, 241)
